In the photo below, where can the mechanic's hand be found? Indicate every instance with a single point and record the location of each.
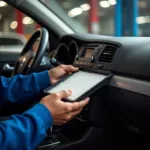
(62, 112)
(57, 73)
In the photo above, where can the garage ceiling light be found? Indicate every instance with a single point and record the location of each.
(75, 12)
(3, 4)
(112, 2)
(85, 7)
(143, 19)
(104, 4)
(14, 25)
(27, 20)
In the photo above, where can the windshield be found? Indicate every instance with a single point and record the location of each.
(105, 17)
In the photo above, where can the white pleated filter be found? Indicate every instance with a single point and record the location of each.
(79, 82)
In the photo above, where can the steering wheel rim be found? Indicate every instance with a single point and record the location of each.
(28, 60)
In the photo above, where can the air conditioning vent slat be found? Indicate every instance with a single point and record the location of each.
(108, 54)
(108, 51)
(106, 58)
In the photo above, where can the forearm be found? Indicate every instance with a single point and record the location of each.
(25, 131)
(20, 88)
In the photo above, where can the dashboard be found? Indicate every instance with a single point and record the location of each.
(128, 58)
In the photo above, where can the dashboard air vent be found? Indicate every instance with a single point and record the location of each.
(108, 54)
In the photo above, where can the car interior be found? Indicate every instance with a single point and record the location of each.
(118, 115)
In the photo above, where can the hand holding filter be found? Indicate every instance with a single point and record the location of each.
(81, 83)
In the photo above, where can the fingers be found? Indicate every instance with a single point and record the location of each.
(81, 104)
(69, 68)
(68, 107)
(62, 94)
(70, 115)
(67, 110)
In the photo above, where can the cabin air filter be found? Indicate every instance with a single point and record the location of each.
(81, 83)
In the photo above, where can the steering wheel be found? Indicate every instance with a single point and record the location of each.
(33, 52)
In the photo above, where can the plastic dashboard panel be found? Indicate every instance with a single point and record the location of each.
(130, 85)
(131, 62)
(132, 58)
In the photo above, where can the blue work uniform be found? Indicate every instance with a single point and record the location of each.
(25, 131)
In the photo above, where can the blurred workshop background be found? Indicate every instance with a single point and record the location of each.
(105, 17)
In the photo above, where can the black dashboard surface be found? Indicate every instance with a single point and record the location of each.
(132, 58)
(129, 96)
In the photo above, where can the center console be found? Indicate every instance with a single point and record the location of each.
(98, 57)
(87, 55)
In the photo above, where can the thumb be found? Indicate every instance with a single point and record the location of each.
(64, 94)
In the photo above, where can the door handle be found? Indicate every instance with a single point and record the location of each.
(7, 67)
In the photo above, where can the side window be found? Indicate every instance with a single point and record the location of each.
(15, 26)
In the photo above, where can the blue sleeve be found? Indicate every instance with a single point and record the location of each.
(25, 131)
(19, 87)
